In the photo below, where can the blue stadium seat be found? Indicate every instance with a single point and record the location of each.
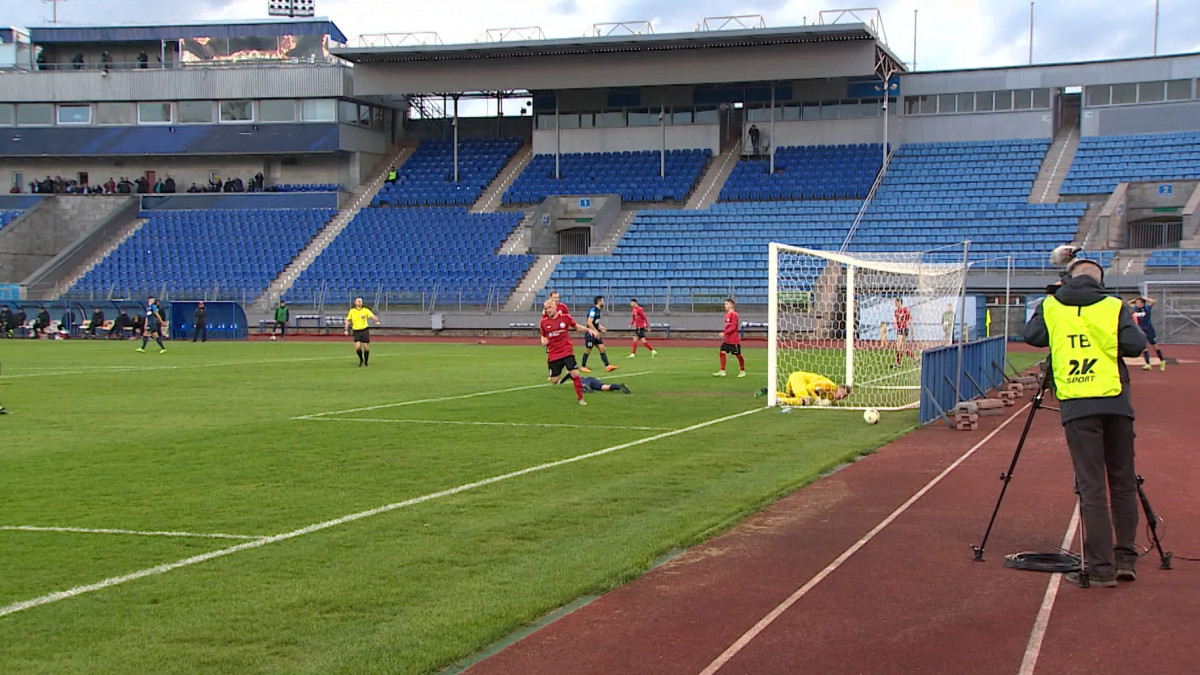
(427, 178)
(633, 175)
(1103, 161)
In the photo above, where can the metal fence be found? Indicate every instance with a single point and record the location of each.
(1176, 311)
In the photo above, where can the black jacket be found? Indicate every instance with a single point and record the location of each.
(1083, 291)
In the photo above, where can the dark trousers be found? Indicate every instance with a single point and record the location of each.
(201, 332)
(280, 326)
(1102, 453)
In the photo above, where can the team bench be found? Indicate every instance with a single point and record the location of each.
(751, 326)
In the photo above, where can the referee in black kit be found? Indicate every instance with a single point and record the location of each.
(1088, 331)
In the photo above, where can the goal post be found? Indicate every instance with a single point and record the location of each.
(836, 315)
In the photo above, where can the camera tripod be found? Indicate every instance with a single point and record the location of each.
(1006, 477)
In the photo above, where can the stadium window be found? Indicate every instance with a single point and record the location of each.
(378, 117)
(569, 121)
(1179, 90)
(275, 110)
(681, 117)
(237, 111)
(546, 122)
(966, 103)
(75, 114)
(810, 111)
(758, 115)
(114, 113)
(871, 109)
(35, 114)
(1151, 92)
(587, 120)
(791, 113)
(195, 112)
(830, 111)
(614, 118)
(643, 117)
(1022, 99)
(849, 109)
(1041, 98)
(984, 101)
(947, 103)
(1124, 93)
(707, 116)
(347, 112)
(154, 113)
(318, 110)
(927, 105)
(912, 104)
(1004, 100)
(1098, 94)
(7, 116)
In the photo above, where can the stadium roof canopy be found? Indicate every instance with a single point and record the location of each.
(181, 31)
(762, 54)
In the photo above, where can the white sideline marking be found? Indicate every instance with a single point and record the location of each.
(1033, 648)
(91, 370)
(316, 527)
(382, 420)
(759, 627)
(438, 399)
(88, 530)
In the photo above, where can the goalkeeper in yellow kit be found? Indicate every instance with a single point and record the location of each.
(804, 388)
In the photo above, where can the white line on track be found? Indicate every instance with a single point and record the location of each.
(382, 420)
(1033, 648)
(88, 530)
(438, 399)
(767, 620)
(317, 527)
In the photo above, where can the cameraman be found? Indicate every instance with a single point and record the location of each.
(1088, 331)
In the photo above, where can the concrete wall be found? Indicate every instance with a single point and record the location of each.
(975, 126)
(191, 83)
(1116, 71)
(1143, 118)
(618, 139)
(827, 132)
(44, 231)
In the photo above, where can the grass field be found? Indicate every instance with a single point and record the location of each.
(396, 518)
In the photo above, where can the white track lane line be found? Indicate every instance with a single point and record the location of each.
(1033, 648)
(439, 399)
(382, 420)
(317, 527)
(767, 620)
(142, 533)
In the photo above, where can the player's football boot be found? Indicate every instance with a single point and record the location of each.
(741, 373)
(585, 369)
(610, 367)
(719, 373)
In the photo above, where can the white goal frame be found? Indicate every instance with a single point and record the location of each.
(949, 276)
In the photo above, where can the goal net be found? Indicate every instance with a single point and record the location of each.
(860, 320)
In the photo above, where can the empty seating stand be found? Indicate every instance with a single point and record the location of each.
(1165, 261)
(1104, 161)
(807, 172)
(633, 175)
(425, 250)
(305, 187)
(7, 216)
(229, 253)
(427, 178)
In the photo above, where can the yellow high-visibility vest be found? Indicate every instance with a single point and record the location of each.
(1083, 348)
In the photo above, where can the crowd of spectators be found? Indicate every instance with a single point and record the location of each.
(140, 186)
(215, 184)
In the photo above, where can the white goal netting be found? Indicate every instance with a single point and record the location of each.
(859, 320)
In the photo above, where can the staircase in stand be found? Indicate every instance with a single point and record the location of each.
(361, 196)
(708, 188)
(1055, 166)
(492, 197)
(534, 281)
(112, 245)
(614, 234)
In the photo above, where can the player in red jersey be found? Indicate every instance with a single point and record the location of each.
(903, 320)
(556, 330)
(640, 324)
(562, 309)
(731, 340)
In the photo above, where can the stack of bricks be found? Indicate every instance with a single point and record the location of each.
(966, 416)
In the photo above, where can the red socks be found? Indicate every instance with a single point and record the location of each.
(722, 360)
(578, 387)
(741, 362)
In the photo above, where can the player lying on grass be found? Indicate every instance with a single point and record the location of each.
(804, 388)
(593, 384)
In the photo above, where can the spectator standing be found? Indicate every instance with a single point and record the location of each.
(755, 139)
(200, 323)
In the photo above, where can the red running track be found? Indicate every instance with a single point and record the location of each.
(815, 583)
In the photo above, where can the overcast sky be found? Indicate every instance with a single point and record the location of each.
(950, 33)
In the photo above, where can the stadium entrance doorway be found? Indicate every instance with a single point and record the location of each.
(574, 241)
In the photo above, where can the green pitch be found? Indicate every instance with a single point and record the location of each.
(393, 518)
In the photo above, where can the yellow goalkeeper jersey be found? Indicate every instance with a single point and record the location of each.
(801, 385)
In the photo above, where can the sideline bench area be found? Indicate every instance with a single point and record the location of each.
(525, 325)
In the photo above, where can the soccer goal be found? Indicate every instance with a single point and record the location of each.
(837, 315)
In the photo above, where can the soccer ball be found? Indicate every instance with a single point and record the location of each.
(871, 416)
(273, 337)
(824, 402)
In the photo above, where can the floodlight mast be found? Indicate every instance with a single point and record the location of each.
(291, 8)
(54, 3)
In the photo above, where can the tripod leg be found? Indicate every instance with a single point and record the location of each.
(1164, 557)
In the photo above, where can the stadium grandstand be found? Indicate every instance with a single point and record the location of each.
(169, 153)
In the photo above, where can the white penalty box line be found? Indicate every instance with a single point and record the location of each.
(140, 533)
(317, 527)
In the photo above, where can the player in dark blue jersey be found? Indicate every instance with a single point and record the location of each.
(156, 325)
(1141, 314)
(593, 339)
(592, 384)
